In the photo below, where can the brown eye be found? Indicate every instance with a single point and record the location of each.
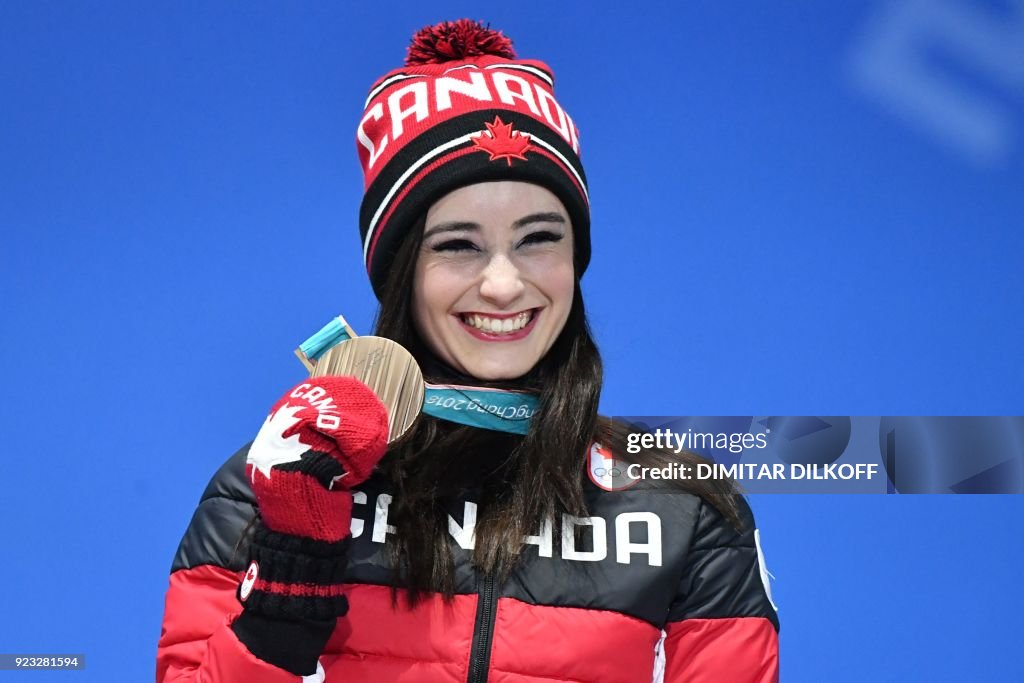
(454, 245)
(540, 237)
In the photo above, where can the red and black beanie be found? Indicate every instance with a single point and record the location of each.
(462, 110)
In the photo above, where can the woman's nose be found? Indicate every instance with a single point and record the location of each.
(502, 283)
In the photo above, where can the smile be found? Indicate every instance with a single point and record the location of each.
(491, 327)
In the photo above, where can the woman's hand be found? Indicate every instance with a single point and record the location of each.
(321, 438)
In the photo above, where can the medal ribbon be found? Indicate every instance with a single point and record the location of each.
(495, 409)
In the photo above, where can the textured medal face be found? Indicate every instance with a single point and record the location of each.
(387, 368)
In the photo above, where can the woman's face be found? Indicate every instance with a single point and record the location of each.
(494, 278)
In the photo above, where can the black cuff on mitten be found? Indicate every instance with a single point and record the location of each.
(295, 578)
(292, 599)
(294, 646)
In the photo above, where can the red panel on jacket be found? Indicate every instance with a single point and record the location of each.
(742, 649)
(376, 642)
(541, 643)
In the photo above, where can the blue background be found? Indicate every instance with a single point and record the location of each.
(787, 220)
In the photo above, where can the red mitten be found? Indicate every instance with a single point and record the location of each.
(322, 438)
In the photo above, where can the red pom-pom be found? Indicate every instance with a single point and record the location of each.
(453, 41)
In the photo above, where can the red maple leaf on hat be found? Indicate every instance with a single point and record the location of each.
(501, 142)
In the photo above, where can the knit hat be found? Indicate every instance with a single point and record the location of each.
(462, 110)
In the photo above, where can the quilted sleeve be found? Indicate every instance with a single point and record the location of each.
(723, 625)
(197, 642)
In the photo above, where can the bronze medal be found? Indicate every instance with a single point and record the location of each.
(384, 366)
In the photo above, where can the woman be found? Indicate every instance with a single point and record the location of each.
(463, 553)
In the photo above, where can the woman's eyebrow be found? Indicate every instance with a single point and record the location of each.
(546, 217)
(457, 226)
(451, 226)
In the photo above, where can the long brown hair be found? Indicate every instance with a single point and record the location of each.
(517, 481)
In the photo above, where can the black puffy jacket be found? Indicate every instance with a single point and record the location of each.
(657, 586)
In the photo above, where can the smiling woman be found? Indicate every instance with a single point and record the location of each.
(464, 552)
(491, 297)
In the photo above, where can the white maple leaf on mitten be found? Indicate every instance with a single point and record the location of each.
(271, 447)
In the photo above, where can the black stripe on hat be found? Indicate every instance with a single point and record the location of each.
(436, 136)
(469, 168)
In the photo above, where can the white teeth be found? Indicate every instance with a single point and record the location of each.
(498, 325)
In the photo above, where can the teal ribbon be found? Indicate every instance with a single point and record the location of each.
(329, 336)
(494, 409)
